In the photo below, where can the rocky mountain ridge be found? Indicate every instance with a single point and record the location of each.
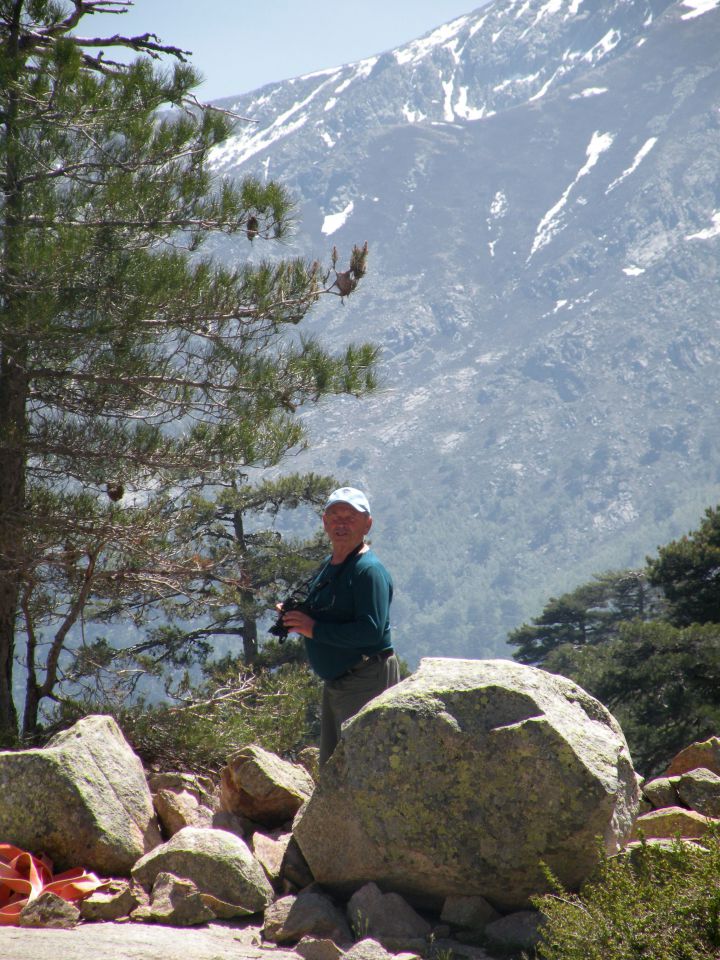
(538, 184)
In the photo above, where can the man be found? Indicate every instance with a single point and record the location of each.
(347, 633)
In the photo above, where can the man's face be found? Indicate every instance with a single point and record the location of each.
(345, 526)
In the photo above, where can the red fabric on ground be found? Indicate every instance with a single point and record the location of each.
(23, 877)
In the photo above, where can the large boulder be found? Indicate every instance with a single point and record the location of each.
(661, 792)
(219, 863)
(699, 790)
(261, 786)
(311, 913)
(83, 800)
(463, 779)
(385, 916)
(270, 853)
(174, 902)
(672, 822)
(704, 753)
(182, 800)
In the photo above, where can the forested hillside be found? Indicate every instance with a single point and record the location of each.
(645, 642)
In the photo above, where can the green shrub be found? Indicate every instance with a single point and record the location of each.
(277, 709)
(655, 903)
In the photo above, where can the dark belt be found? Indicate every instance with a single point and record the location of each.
(366, 659)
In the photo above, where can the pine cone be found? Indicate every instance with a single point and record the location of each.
(345, 282)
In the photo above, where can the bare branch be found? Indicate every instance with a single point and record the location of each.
(76, 609)
(202, 105)
(147, 42)
(233, 694)
(164, 380)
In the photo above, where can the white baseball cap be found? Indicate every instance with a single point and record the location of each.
(352, 496)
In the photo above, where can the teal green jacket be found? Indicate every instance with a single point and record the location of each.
(351, 613)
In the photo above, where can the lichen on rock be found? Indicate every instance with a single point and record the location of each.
(464, 779)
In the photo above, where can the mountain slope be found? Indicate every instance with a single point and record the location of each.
(538, 183)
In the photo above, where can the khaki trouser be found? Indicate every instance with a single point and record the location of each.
(342, 698)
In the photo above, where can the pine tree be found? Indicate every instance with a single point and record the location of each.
(587, 616)
(661, 682)
(688, 572)
(646, 643)
(134, 372)
(243, 566)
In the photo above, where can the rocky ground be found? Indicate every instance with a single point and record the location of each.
(137, 941)
(214, 941)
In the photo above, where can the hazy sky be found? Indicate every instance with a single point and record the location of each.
(239, 45)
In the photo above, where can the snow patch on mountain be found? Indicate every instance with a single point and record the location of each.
(477, 26)
(552, 223)
(547, 10)
(448, 113)
(698, 8)
(589, 92)
(552, 6)
(604, 46)
(240, 148)
(360, 70)
(334, 221)
(413, 116)
(710, 232)
(499, 205)
(498, 209)
(462, 109)
(546, 86)
(639, 157)
(516, 81)
(416, 51)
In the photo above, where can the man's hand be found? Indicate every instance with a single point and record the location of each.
(298, 622)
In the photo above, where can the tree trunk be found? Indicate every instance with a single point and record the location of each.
(250, 642)
(13, 390)
(13, 397)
